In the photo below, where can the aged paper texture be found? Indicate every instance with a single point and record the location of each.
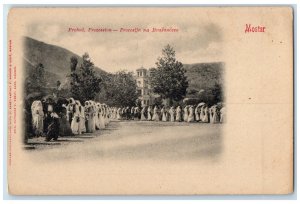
(237, 59)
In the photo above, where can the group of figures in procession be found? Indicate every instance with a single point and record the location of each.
(190, 113)
(67, 117)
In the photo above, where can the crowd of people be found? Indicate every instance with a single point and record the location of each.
(69, 117)
(190, 113)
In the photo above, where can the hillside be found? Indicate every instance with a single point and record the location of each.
(56, 60)
(203, 76)
(205, 79)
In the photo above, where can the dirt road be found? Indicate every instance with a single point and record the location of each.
(136, 140)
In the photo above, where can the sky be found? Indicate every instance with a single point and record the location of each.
(194, 42)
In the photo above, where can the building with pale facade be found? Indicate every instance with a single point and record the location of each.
(143, 87)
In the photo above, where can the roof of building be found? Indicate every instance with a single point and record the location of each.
(142, 68)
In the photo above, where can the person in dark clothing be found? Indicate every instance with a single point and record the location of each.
(128, 113)
(53, 127)
(51, 122)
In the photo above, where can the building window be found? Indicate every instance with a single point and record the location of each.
(139, 92)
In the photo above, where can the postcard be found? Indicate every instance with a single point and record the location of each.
(150, 100)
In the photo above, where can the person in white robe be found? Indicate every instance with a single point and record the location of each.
(149, 113)
(143, 112)
(76, 120)
(155, 116)
(206, 115)
(101, 119)
(114, 113)
(70, 109)
(167, 114)
(106, 120)
(104, 114)
(108, 114)
(215, 114)
(172, 114)
(222, 115)
(111, 113)
(202, 113)
(186, 113)
(97, 116)
(82, 118)
(122, 113)
(81, 126)
(132, 113)
(119, 113)
(191, 117)
(197, 113)
(90, 113)
(178, 114)
(163, 113)
(37, 118)
(210, 112)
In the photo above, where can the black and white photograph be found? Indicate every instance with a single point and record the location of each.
(150, 107)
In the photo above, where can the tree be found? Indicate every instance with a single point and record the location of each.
(84, 83)
(218, 93)
(138, 102)
(73, 63)
(168, 79)
(119, 90)
(36, 81)
(58, 83)
(157, 102)
(212, 95)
